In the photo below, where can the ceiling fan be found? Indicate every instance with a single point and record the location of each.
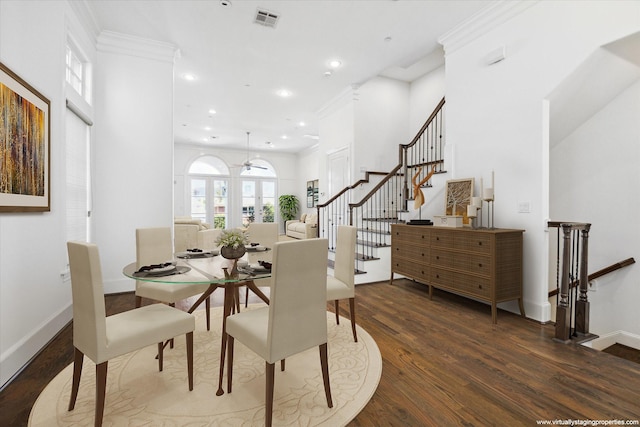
(247, 164)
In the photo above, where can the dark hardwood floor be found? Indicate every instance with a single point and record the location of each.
(444, 364)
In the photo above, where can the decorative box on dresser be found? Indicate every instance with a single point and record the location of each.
(484, 264)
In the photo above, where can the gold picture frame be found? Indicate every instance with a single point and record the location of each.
(25, 124)
(458, 196)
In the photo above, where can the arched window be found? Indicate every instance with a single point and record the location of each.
(209, 182)
(208, 165)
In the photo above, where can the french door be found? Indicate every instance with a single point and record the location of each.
(209, 200)
(258, 200)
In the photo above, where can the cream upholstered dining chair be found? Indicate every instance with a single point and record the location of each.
(154, 246)
(296, 318)
(265, 233)
(341, 284)
(101, 337)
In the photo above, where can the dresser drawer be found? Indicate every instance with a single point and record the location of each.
(475, 242)
(410, 269)
(411, 252)
(442, 239)
(463, 283)
(411, 234)
(468, 262)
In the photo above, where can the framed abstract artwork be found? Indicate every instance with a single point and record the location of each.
(24, 146)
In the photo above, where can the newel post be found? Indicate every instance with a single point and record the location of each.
(582, 305)
(563, 311)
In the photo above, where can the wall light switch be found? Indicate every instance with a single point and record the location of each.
(524, 207)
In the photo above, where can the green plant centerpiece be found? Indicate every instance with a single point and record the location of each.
(232, 243)
(289, 205)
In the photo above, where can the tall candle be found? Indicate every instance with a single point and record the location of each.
(492, 179)
(476, 202)
(487, 194)
(471, 211)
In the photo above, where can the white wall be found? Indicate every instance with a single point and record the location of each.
(381, 123)
(133, 148)
(496, 114)
(34, 301)
(425, 93)
(595, 176)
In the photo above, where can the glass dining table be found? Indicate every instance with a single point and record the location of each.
(213, 270)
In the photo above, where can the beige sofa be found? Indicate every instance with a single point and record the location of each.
(191, 233)
(304, 228)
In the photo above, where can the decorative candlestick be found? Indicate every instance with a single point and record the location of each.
(476, 202)
(471, 214)
(488, 197)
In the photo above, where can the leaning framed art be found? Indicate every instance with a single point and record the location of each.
(458, 197)
(24, 146)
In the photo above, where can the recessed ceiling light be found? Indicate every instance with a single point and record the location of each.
(212, 111)
(188, 77)
(335, 63)
(284, 93)
(302, 124)
(284, 137)
(328, 73)
(311, 136)
(207, 128)
(225, 3)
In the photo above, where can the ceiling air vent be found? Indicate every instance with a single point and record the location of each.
(266, 18)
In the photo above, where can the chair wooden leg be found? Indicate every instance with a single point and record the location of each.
(352, 307)
(138, 301)
(101, 389)
(78, 358)
(160, 354)
(337, 304)
(207, 305)
(230, 342)
(324, 362)
(173, 304)
(190, 359)
(268, 400)
(246, 298)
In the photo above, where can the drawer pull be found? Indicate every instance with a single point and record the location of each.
(437, 256)
(480, 265)
(479, 286)
(479, 243)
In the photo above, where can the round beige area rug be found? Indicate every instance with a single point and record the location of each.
(139, 395)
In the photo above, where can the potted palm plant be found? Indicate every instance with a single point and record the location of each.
(289, 206)
(232, 243)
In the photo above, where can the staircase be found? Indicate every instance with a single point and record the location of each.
(374, 203)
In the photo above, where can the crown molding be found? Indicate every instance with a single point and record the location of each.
(86, 18)
(482, 22)
(347, 95)
(112, 42)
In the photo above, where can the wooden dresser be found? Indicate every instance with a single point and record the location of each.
(484, 264)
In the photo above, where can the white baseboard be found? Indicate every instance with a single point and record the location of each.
(14, 359)
(616, 337)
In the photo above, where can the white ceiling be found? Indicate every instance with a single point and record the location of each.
(239, 65)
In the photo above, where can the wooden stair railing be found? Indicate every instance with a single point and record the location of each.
(602, 272)
(373, 212)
